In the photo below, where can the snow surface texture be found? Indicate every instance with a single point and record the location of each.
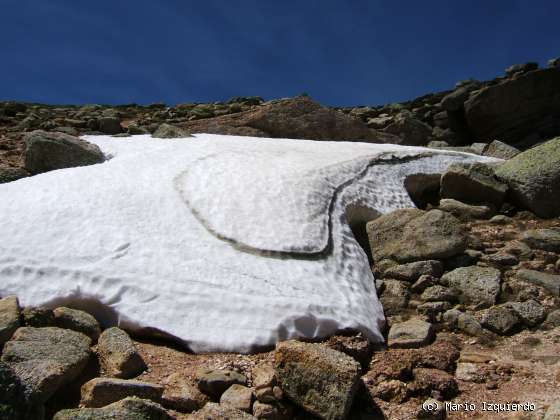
(224, 243)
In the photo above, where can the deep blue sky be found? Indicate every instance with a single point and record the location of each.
(340, 52)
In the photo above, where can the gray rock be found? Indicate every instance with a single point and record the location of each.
(411, 131)
(10, 174)
(454, 101)
(215, 382)
(168, 131)
(544, 239)
(473, 183)
(275, 411)
(74, 319)
(321, 380)
(38, 317)
(501, 219)
(134, 129)
(126, 409)
(476, 285)
(213, 411)
(413, 333)
(422, 283)
(500, 150)
(182, 394)
(239, 397)
(465, 211)
(530, 312)
(478, 148)
(534, 178)
(500, 319)
(118, 355)
(412, 271)
(423, 189)
(100, 392)
(451, 317)
(395, 296)
(13, 402)
(553, 412)
(552, 319)
(9, 318)
(468, 324)
(439, 293)
(109, 125)
(433, 309)
(550, 282)
(46, 358)
(47, 151)
(414, 235)
(264, 381)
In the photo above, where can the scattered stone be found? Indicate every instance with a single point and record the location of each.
(534, 178)
(468, 372)
(134, 129)
(215, 382)
(321, 380)
(395, 296)
(432, 309)
(10, 174)
(46, 358)
(109, 125)
(264, 381)
(413, 333)
(464, 211)
(356, 346)
(451, 317)
(182, 394)
(500, 150)
(38, 317)
(468, 324)
(118, 355)
(543, 239)
(412, 271)
(531, 312)
(476, 285)
(552, 319)
(422, 283)
(411, 131)
(553, 412)
(239, 397)
(500, 319)
(276, 411)
(391, 390)
(550, 282)
(47, 151)
(126, 409)
(428, 381)
(9, 318)
(414, 235)
(168, 131)
(100, 392)
(501, 219)
(473, 183)
(217, 411)
(74, 319)
(439, 293)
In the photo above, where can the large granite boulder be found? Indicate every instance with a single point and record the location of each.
(299, 118)
(47, 151)
(321, 380)
(512, 110)
(534, 178)
(414, 235)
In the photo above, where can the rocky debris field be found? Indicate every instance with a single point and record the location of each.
(469, 280)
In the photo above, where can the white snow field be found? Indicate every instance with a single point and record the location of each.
(224, 243)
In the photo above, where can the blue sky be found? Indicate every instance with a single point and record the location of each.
(340, 52)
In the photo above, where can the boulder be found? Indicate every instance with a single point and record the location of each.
(423, 189)
(118, 355)
(543, 239)
(47, 151)
(454, 100)
(464, 211)
(126, 409)
(516, 108)
(531, 312)
(9, 173)
(265, 382)
(549, 282)
(476, 285)
(38, 317)
(9, 318)
(395, 296)
(100, 392)
(215, 382)
(472, 183)
(13, 402)
(239, 397)
(414, 235)
(552, 319)
(182, 394)
(46, 358)
(168, 131)
(356, 346)
(412, 271)
(413, 333)
(409, 131)
(533, 178)
(297, 118)
(427, 381)
(439, 293)
(109, 125)
(500, 320)
(500, 150)
(213, 411)
(276, 411)
(321, 380)
(74, 319)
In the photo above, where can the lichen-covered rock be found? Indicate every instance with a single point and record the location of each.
(321, 380)
(9, 318)
(413, 333)
(464, 211)
(100, 392)
(476, 285)
(414, 235)
(125, 409)
(118, 355)
(531, 312)
(534, 178)
(168, 131)
(74, 319)
(239, 397)
(500, 150)
(500, 319)
(47, 151)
